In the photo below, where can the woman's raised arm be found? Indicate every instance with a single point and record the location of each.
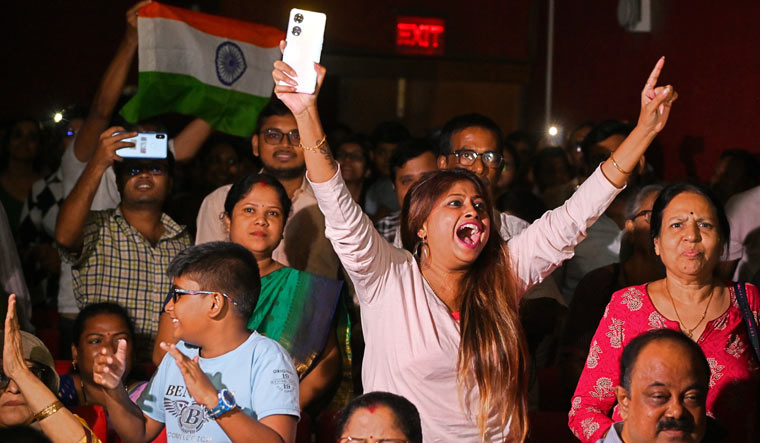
(655, 109)
(320, 163)
(57, 422)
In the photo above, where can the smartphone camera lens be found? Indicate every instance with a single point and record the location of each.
(160, 136)
(296, 30)
(298, 18)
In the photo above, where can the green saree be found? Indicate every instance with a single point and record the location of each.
(296, 309)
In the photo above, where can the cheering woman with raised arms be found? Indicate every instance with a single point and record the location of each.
(440, 316)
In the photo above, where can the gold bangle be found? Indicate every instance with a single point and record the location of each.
(48, 411)
(617, 166)
(316, 148)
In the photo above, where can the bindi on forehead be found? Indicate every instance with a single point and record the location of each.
(372, 408)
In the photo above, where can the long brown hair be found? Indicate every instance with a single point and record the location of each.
(492, 353)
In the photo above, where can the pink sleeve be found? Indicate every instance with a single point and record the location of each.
(594, 398)
(366, 256)
(550, 240)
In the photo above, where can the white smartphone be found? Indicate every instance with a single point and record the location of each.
(306, 30)
(147, 145)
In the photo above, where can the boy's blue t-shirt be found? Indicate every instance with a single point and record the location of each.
(259, 373)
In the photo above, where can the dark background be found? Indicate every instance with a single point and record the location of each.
(54, 53)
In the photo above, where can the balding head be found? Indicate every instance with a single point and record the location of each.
(664, 378)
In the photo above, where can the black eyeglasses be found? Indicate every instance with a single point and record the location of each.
(152, 170)
(175, 293)
(647, 214)
(274, 136)
(468, 157)
(38, 371)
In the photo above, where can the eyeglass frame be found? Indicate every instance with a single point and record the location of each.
(459, 153)
(273, 131)
(175, 292)
(646, 213)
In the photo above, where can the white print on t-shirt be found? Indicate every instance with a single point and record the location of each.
(190, 416)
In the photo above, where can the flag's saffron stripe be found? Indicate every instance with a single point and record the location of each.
(228, 28)
(225, 110)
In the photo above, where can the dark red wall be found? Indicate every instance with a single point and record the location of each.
(55, 51)
(712, 59)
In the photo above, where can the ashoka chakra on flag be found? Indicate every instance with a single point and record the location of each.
(230, 63)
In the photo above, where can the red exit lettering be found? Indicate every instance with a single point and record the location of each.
(420, 35)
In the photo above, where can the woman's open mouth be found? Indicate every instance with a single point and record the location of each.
(469, 234)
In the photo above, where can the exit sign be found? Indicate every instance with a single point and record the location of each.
(420, 35)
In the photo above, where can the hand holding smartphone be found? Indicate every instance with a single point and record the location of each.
(147, 145)
(304, 39)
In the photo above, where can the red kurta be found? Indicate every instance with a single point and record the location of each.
(735, 372)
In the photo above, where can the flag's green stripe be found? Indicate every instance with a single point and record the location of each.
(225, 110)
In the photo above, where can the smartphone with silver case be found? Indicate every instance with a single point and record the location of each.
(306, 30)
(147, 145)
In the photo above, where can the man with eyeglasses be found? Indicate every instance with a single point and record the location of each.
(474, 142)
(276, 143)
(120, 255)
(601, 247)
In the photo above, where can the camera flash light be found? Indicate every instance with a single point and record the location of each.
(57, 117)
(553, 131)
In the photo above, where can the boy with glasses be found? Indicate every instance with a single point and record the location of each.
(221, 382)
(120, 255)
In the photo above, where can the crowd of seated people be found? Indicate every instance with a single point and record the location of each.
(459, 285)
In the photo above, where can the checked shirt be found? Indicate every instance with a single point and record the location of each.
(117, 264)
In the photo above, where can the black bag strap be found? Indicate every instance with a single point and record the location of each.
(749, 319)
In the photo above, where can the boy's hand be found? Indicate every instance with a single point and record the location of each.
(196, 381)
(108, 368)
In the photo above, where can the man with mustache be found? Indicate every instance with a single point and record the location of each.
(664, 383)
(120, 255)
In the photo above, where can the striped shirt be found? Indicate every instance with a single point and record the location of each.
(119, 265)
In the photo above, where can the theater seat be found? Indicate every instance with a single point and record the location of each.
(62, 366)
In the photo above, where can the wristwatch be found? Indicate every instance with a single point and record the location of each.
(226, 404)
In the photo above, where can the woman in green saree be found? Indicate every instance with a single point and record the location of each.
(301, 311)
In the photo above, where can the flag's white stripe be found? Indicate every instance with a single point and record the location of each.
(175, 47)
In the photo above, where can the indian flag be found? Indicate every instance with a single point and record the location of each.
(204, 65)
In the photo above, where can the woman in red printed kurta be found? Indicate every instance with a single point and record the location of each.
(689, 230)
